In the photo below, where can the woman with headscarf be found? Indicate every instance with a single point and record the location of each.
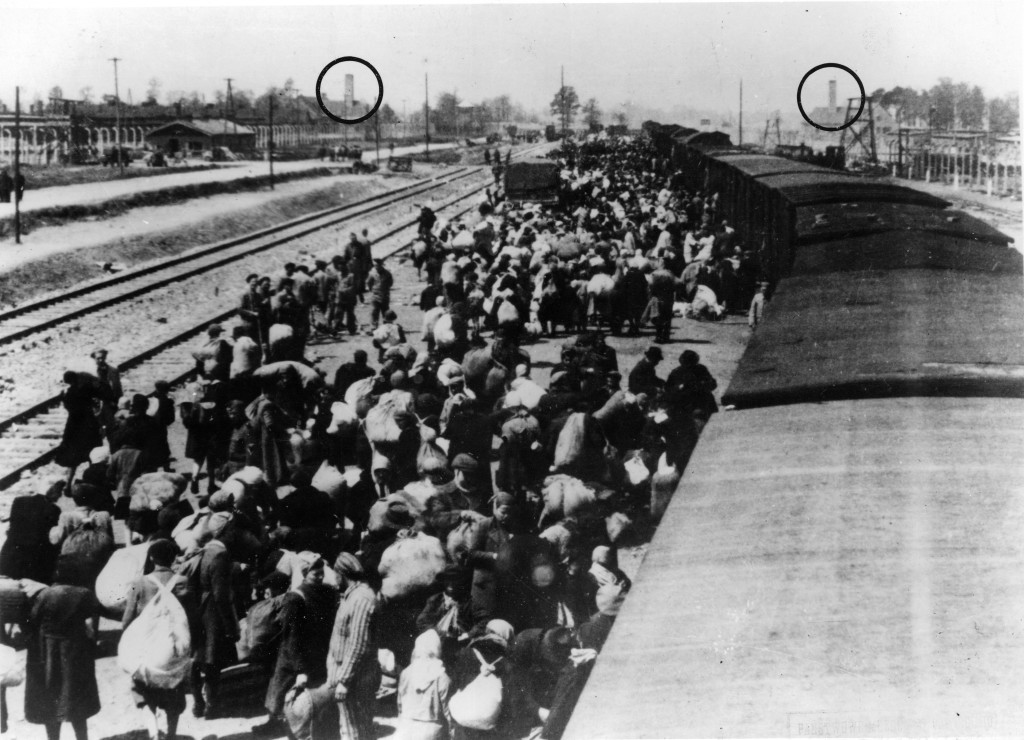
(271, 445)
(423, 692)
(27, 551)
(60, 670)
(82, 431)
(85, 538)
(161, 555)
(306, 617)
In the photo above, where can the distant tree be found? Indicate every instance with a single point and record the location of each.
(565, 104)
(591, 114)
(443, 115)
(153, 91)
(387, 114)
(243, 99)
(1004, 114)
(85, 94)
(499, 108)
(289, 88)
(971, 108)
(56, 92)
(620, 118)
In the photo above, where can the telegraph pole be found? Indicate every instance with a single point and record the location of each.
(17, 164)
(117, 116)
(231, 107)
(426, 110)
(741, 113)
(270, 143)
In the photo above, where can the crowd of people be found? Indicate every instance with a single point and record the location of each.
(435, 525)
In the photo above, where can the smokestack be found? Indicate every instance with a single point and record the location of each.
(349, 91)
(832, 94)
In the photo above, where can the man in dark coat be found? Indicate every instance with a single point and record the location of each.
(27, 552)
(306, 618)
(6, 186)
(350, 372)
(643, 378)
(690, 387)
(663, 291)
(214, 648)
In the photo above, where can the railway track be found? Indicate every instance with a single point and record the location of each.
(36, 316)
(29, 436)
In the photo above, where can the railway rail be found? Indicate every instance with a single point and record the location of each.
(29, 436)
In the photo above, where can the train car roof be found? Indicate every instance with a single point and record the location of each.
(826, 221)
(837, 570)
(829, 186)
(760, 165)
(706, 139)
(831, 336)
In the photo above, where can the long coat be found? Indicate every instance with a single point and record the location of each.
(81, 431)
(216, 644)
(60, 671)
(307, 618)
(27, 552)
(270, 446)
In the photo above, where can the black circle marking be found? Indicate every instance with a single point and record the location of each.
(380, 90)
(863, 96)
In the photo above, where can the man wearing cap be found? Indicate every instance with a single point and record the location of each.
(465, 493)
(379, 283)
(353, 672)
(254, 306)
(643, 378)
(110, 385)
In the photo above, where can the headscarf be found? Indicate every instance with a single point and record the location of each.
(426, 666)
(501, 628)
(307, 561)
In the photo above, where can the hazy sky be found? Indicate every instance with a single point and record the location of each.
(655, 55)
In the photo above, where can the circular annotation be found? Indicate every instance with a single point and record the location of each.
(800, 88)
(376, 105)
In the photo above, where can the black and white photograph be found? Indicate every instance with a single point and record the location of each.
(483, 371)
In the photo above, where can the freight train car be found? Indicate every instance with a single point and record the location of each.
(533, 181)
(843, 555)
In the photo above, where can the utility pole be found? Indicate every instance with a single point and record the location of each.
(231, 107)
(117, 116)
(956, 152)
(17, 164)
(426, 110)
(270, 143)
(405, 122)
(741, 113)
(376, 121)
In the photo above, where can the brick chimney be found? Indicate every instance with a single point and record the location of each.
(831, 94)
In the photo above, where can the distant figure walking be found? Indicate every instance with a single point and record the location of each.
(6, 186)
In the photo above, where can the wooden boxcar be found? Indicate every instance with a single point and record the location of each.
(843, 555)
